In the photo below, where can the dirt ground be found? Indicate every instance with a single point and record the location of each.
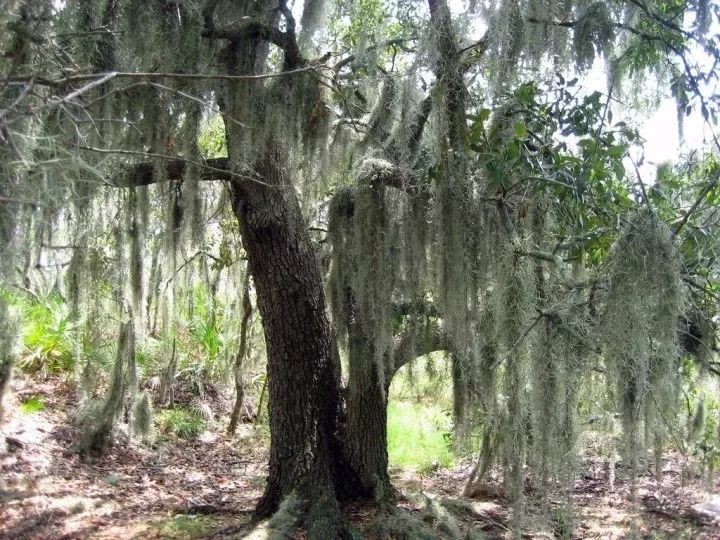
(207, 488)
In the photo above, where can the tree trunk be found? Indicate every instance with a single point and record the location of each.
(6, 362)
(7, 324)
(240, 356)
(367, 402)
(460, 391)
(366, 439)
(304, 404)
(97, 437)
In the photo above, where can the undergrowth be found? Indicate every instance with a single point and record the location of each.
(32, 405)
(47, 335)
(181, 423)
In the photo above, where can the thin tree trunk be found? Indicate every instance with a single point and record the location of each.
(261, 400)
(98, 436)
(167, 383)
(460, 392)
(6, 359)
(152, 303)
(240, 356)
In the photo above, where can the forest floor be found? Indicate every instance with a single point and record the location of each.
(207, 488)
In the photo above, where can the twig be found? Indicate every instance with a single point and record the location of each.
(88, 87)
(703, 192)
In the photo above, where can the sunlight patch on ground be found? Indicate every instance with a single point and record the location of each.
(260, 532)
(194, 526)
(418, 436)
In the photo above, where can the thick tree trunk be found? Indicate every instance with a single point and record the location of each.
(303, 367)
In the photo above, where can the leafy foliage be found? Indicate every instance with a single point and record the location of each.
(47, 336)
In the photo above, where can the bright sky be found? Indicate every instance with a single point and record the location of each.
(658, 126)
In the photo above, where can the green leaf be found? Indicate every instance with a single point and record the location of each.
(616, 151)
(520, 130)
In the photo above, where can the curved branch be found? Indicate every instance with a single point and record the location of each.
(408, 348)
(249, 27)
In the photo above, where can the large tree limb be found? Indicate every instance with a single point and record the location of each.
(144, 174)
(408, 347)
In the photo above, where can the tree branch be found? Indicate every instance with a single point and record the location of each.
(46, 81)
(143, 174)
(408, 347)
(249, 27)
(703, 193)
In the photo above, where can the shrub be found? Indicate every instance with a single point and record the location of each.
(47, 336)
(181, 423)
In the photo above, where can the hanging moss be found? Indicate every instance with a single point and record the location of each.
(312, 18)
(136, 239)
(142, 416)
(593, 34)
(643, 305)
(512, 315)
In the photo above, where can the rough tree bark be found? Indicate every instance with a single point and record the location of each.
(366, 438)
(304, 408)
(307, 453)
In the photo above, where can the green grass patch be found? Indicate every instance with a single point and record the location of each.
(32, 405)
(181, 423)
(418, 436)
